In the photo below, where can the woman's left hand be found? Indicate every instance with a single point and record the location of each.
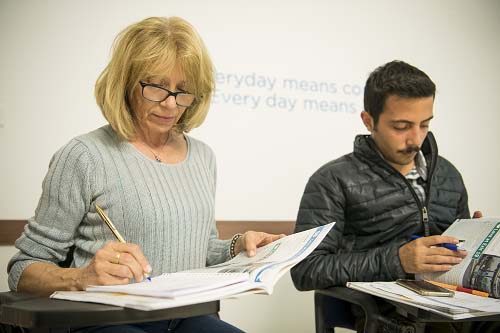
(251, 240)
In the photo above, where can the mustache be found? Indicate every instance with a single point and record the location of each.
(410, 149)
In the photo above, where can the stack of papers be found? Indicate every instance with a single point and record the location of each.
(461, 306)
(177, 284)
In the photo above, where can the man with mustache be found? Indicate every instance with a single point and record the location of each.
(393, 185)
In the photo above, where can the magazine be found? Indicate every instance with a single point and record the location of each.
(481, 268)
(238, 276)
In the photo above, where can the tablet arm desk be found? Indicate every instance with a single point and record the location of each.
(42, 314)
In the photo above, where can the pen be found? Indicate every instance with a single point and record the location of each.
(449, 246)
(114, 231)
(457, 288)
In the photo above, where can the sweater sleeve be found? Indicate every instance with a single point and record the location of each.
(218, 249)
(332, 264)
(65, 199)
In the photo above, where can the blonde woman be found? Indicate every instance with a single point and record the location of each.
(155, 182)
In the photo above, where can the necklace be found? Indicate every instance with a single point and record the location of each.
(157, 156)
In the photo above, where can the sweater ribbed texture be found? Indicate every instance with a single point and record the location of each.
(166, 209)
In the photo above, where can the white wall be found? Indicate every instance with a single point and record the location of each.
(52, 52)
(6, 252)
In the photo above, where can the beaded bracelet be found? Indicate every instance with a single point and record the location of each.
(233, 245)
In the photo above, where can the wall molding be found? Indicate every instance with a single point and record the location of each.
(228, 228)
(10, 230)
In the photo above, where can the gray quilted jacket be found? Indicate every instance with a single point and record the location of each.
(376, 211)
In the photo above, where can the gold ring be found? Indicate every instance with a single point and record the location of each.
(118, 258)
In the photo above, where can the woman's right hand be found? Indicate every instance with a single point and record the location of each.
(115, 263)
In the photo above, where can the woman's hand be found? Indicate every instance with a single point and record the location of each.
(251, 240)
(115, 263)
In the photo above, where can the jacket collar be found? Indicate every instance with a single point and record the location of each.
(365, 148)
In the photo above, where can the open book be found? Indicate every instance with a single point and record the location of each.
(478, 271)
(238, 276)
(481, 268)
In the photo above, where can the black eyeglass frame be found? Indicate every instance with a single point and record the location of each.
(169, 93)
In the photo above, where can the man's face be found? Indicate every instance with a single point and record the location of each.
(401, 129)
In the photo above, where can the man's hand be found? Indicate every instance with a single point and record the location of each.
(422, 255)
(477, 214)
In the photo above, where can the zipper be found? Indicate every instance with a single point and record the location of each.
(425, 220)
(432, 167)
(423, 208)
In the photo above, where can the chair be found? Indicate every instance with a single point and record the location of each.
(332, 308)
(331, 312)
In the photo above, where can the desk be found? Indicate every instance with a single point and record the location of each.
(417, 318)
(423, 316)
(42, 314)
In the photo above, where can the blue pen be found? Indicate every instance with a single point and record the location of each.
(449, 246)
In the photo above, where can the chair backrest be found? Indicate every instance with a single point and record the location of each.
(331, 312)
(69, 258)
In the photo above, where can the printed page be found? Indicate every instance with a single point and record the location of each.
(482, 244)
(275, 259)
(483, 272)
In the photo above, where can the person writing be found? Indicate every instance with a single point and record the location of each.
(392, 186)
(155, 182)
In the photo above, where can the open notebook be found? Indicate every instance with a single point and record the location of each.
(235, 277)
(177, 284)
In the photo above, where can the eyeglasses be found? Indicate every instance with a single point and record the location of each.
(155, 93)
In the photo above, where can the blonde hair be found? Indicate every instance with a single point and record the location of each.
(153, 47)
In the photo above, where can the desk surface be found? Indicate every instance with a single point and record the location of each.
(411, 312)
(41, 312)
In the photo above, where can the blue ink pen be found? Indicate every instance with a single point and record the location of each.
(449, 246)
(115, 232)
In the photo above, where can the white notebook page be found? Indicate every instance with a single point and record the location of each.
(172, 285)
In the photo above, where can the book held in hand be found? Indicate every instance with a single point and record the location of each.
(476, 276)
(480, 269)
(238, 276)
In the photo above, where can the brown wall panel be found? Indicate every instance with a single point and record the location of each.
(11, 229)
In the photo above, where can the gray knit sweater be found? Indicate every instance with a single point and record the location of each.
(166, 209)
